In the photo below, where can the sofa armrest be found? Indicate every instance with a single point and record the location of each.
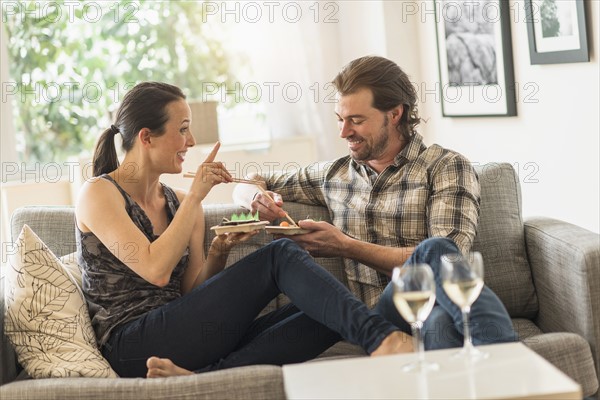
(565, 263)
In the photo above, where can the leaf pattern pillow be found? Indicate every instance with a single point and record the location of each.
(47, 319)
(69, 263)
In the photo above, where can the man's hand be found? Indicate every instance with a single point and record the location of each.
(269, 209)
(325, 240)
(253, 198)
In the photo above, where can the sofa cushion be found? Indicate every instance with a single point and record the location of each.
(47, 319)
(55, 224)
(69, 263)
(500, 239)
(258, 382)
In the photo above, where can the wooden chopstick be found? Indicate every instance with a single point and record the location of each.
(264, 192)
(237, 180)
(251, 182)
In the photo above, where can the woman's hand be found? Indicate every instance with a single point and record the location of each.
(222, 244)
(209, 174)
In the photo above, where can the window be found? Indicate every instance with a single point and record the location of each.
(71, 63)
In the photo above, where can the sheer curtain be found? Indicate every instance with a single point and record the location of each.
(292, 63)
(306, 55)
(7, 137)
(7, 130)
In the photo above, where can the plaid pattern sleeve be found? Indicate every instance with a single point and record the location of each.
(303, 186)
(454, 199)
(427, 192)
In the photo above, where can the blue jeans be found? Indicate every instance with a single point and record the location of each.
(489, 321)
(215, 325)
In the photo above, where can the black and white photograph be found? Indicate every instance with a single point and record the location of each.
(470, 48)
(557, 31)
(475, 58)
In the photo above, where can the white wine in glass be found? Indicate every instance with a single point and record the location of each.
(464, 293)
(414, 297)
(462, 280)
(414, 306)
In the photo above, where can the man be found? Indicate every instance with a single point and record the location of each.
(390, 195)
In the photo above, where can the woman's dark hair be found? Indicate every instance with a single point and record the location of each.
(390, 86)
(144, 106)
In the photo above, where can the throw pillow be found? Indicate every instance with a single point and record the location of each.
(47, 319)
(69, 262)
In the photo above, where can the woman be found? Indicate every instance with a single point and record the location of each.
(159, 305)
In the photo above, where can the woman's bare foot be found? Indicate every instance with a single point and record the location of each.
(395, 342)
(162, 367)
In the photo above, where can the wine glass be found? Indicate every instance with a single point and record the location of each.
(462, 280)
(414, 297)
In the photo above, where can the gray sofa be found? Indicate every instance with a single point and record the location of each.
(546, 272)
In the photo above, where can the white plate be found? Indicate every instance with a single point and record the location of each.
(252, 226)
(286, 230)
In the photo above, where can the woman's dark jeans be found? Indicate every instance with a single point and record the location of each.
(215, 325)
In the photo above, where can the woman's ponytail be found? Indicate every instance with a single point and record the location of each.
(105, 158)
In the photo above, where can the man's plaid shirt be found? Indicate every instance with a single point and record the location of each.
(427, 192)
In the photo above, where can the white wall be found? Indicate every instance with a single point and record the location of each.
(554, 141)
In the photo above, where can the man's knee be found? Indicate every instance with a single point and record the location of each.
(439, 331)
(430, 250)
(437, 245)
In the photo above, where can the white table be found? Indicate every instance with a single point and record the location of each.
(512, 371)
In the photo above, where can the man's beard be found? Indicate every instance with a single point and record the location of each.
(378, 148)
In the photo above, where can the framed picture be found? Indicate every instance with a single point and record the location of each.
(557, 31)
(475, 58)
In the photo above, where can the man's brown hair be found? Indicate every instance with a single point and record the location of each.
(388, 83)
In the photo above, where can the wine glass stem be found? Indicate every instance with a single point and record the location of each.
(468, 345)
(418, 341)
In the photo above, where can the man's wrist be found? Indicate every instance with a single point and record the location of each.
(348, 244)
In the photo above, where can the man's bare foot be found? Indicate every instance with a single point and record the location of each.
(163, 367)
(395, 342)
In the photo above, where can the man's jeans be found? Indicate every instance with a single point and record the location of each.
(215, 325)
(489, 321)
